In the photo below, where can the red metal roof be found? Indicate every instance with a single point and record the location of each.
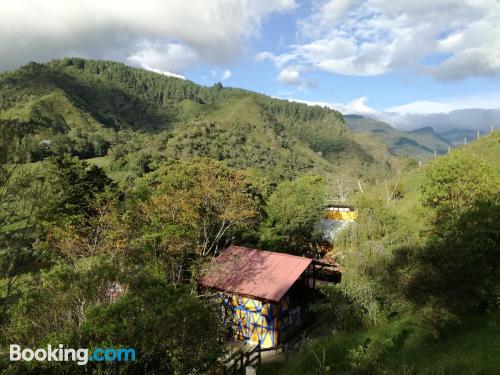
(252, 272)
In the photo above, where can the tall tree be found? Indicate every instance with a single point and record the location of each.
(454, 182)
(194, 209)
(293, 213)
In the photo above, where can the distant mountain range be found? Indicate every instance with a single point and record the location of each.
(458, 136)
(419, 144)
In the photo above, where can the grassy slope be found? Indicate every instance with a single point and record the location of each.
(471, 350)
(409, 206)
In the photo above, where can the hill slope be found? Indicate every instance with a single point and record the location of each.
(409, 205)
(137, 118)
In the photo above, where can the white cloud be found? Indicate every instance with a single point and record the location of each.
(170, 56)
(445, 105)
(290, 76)
(164, 72)
(359, 107)
(478, 113)
(279, 60)
(220, 74)
(163, 34)
(447, 39)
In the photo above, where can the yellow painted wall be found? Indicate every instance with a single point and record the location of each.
(335, 215)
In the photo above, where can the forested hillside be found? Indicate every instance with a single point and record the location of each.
(133, 119)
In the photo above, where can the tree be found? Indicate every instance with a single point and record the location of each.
(73, 218)
(16, 215)
(194, 209)
(171, 330)
(453, 183)
(293, 213)
(462, 256)
(71, 188)
(460, 264)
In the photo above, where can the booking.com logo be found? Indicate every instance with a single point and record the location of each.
(62, 354)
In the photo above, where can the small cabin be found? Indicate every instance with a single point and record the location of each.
(263, 295)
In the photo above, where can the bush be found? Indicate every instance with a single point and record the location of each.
(365, 359)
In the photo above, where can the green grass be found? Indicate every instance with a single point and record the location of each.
(472, 347)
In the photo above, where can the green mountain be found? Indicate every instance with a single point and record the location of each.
(128, 119)
(418, 144)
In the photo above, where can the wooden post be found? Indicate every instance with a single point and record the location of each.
(314, 280)
(478, 134)
(360, 186)
(277, 326)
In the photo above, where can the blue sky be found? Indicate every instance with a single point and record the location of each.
(389, 59)
(394, 88)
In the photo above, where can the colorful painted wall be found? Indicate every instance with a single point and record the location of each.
(254, 321)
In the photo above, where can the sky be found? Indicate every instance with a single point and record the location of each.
(410, 63)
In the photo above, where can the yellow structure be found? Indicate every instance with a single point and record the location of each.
(340, 213)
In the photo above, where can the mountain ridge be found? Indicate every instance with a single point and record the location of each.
(137, 118)
(419, 143)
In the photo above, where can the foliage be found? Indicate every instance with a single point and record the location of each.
(401, 346)
(365, 358)
(73, 187)
(367, 294)
(197, 168)
(193, 210)
(17, 255)
(171, 330)
(76, 200)
(461, 259)
(293, 211)
(454, 182)
(93, 109)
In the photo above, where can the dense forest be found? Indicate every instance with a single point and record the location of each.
(115, 176)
